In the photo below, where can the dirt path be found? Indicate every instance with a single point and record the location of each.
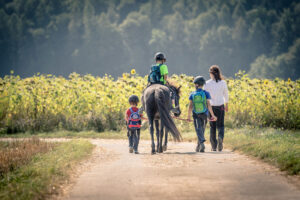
(180, 173)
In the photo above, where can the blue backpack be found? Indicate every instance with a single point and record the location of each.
(134, 120)
(155, 76)
(199, 102)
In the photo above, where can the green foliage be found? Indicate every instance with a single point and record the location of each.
(45, 173)
(99, 37)
(285, 65)
(280, 148)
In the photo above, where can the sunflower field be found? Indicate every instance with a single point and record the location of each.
(49, 103)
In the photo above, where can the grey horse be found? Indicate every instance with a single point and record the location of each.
(156, 101)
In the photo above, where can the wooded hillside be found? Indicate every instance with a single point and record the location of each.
(261, 37)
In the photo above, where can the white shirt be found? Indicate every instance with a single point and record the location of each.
(218, 92)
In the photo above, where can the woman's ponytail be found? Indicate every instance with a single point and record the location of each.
(216, 72)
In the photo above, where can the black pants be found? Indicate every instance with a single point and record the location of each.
(134, 138)
(219, 112)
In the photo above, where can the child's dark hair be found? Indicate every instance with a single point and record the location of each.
(216, 72)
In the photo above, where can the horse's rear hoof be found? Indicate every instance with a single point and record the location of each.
(160, 150)
(165, 148)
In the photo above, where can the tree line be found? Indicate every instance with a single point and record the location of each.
(59, 37)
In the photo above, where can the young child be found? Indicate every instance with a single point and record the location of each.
(159, 71)
(200, 105)
(159, 75)
(133, 120)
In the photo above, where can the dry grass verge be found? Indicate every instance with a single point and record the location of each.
(16, 153)
(44, 173)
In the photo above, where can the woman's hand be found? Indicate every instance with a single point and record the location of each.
(213, 118)
(226, 107)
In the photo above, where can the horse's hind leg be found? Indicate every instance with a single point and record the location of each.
(157, 133)
(165, 146)
(152, 138)
(161, 135)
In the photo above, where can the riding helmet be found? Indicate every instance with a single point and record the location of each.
(199, 80)
(133, 99)
(159, 56)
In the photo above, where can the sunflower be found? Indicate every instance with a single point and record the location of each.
(266, 82)
(133, 72)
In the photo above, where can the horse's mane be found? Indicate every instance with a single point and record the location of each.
(175, 85)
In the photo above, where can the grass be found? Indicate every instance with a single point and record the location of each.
(14, 154)
(70, 134)
(44, 174)
(187, 136)
(278, 147)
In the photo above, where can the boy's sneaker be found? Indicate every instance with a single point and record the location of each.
(136, 152)
(197, 148)
(220, 144)
(130, 150)
(202, 147)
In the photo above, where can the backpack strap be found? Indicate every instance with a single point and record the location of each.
(131, 111)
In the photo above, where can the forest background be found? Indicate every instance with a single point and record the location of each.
(59, 37)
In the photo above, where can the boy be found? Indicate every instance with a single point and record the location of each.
(159, 75)
(133, 120)
(159, 71)
(199, 103)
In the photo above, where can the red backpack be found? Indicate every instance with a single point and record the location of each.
(134, 121)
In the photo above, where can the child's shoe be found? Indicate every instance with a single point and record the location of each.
(202, 147)
(130, 150)
(136, 152)
(197, 148)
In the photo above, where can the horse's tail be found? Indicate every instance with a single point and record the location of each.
(165, 116)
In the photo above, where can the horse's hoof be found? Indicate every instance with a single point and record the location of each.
(165, 148)
(153, 152)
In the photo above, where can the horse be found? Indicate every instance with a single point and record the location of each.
(157, 103)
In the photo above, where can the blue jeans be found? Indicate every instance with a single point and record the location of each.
(134, 138)
(200, 121)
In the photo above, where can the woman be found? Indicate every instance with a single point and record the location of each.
(218, 90)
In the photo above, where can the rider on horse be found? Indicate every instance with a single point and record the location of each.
(159, 71)
(159, 75)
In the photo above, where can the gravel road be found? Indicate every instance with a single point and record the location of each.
(179, 173)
